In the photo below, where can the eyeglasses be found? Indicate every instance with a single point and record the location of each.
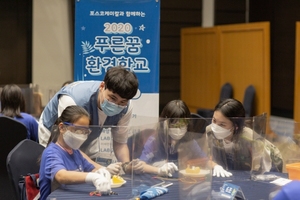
(78, 129)
(179, 123)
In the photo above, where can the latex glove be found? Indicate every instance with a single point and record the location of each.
(167, 169)
(220, 171)
(114, 168)
(100, 181)
(104, 172)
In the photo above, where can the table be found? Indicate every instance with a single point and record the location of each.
(253, 190)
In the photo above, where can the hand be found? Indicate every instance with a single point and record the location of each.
(138, 166)
(104, 172)
(100, 181)
(167, 169)
(219, 170)
(114, 168)
(135, 165)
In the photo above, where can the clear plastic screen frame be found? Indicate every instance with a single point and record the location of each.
(186, 149)
(285, 135)
(250, 149)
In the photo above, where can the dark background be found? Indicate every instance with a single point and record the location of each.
(16, 42)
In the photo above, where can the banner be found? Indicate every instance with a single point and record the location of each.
(109, 33)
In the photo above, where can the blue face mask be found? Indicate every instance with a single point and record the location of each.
(111, 109)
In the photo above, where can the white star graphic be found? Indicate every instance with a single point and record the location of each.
(83, 28)
(142, 27)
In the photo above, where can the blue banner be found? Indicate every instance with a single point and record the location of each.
(109, 33)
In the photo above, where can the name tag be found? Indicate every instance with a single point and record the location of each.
(103, 161)
(230, 191)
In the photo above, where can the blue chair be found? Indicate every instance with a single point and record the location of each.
(248, 101)
(21, 160)
(12, 132)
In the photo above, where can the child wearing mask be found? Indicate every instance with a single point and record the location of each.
(169, 144)
(63, 163)
(232, 142)
(109, 104)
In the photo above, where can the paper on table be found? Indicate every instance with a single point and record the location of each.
(281, 181)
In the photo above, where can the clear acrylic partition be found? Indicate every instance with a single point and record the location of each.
(285, 135)
(156, 148)
(194, 154)
(143, 144)
(136, 135)
(252, 152)
(104, 153)
(260, 158)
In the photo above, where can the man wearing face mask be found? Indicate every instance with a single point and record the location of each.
(107, 102)
(231, 142)
(163, 148)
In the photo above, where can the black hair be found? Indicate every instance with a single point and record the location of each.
(121, 81)
(176, 110)
(12, 101)
(234, 111)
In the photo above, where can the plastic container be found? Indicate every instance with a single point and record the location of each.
(264, 177)
(293, 170)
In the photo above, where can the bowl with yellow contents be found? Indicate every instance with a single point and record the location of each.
(117, 181)
(194, 171)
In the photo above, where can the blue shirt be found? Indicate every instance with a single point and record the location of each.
(31, 126)
(289, 191)
(54, 158)
(155, 151)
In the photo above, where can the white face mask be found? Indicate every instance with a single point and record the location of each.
(74, 140)
(177, 133)
(220, 132)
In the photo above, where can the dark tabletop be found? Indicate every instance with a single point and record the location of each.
(182, 188)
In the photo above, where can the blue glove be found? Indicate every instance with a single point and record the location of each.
(153, 192)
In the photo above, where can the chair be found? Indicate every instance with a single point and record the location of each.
(21, 160)
(12, 132)
(248, 101)
(226, 93)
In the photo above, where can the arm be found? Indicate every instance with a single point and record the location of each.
(139, 166)
(149, 168)
(101, 180)
(121, 151)
(120, 136)
(63, 102)
(70, 177)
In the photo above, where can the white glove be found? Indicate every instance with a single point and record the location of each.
(219, 170)
(105, 172)
(167, 169)
(101, 180)
(114, 168)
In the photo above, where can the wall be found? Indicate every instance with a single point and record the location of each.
(238, 54)
(15, 42)
(52, 46)
(174, 16)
